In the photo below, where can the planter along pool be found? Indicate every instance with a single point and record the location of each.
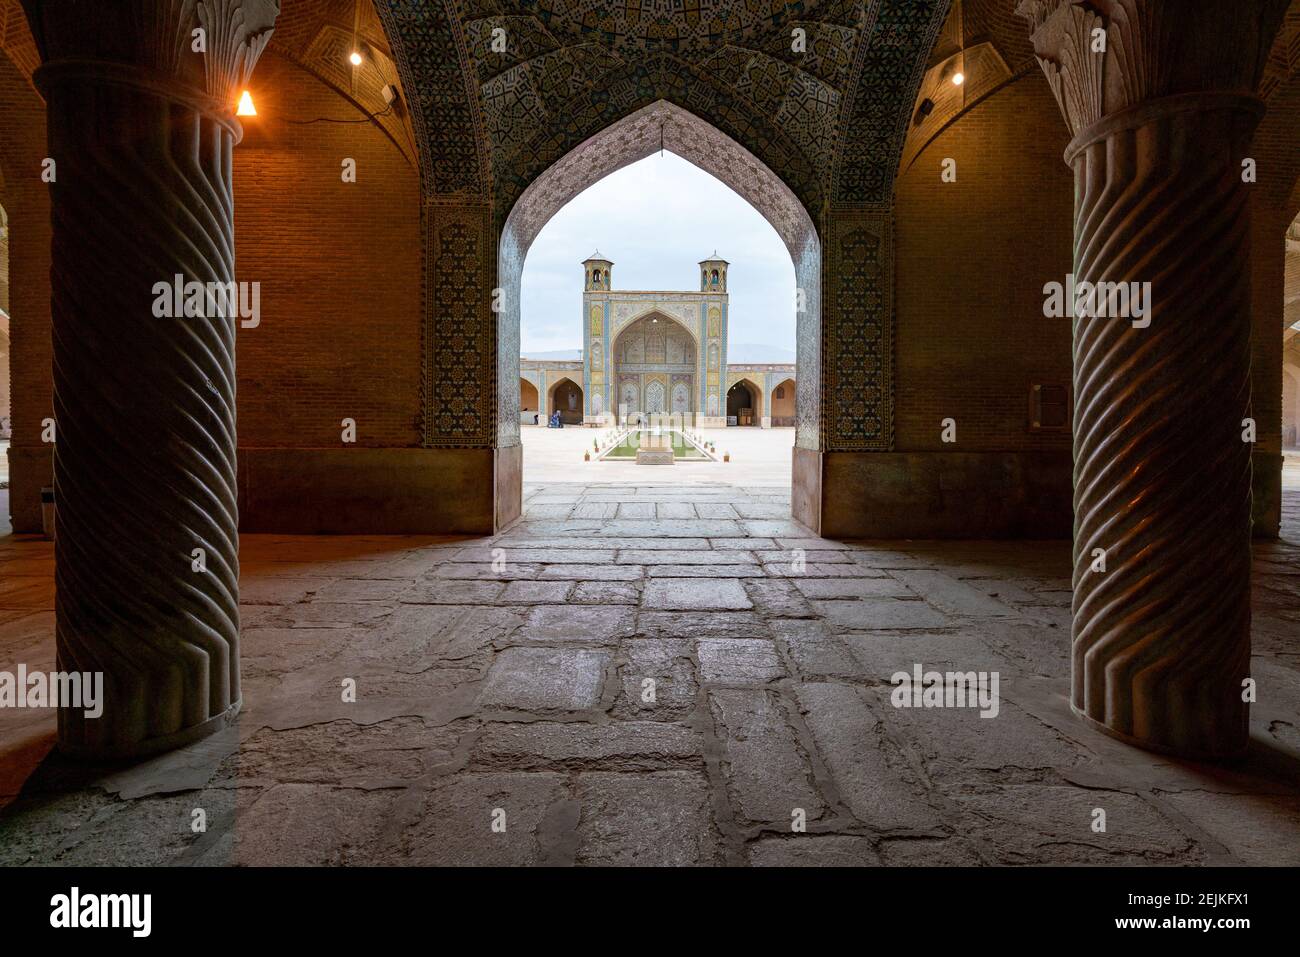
(682, 446)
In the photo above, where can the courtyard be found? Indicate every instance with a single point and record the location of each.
(759, 457)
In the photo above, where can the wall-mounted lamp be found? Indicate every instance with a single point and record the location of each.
(392, 97)
(246, 107)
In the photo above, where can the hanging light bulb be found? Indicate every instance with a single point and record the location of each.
(355, 56)
(246, 107)
(958, 79)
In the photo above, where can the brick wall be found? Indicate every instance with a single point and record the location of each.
(1291, 353)
(4, 328)
(338, 263)
(1291, 394)
(4, 258)
(1268, 281)
(339, 267)
(972, 258)
(27, 204)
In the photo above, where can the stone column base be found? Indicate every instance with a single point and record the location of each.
(31, 468)
(941, 495)
(360, 491)
(1266, 494)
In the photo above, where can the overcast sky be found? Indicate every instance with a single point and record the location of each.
(656, 219)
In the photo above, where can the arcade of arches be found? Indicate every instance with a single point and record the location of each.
(1097, 510)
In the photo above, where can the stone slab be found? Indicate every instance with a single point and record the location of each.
(691, 594)
(545, 679)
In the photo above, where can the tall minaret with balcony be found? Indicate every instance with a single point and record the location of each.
(595, 336)
(713, 355)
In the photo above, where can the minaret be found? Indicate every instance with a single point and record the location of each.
(713, 354)
(595, 348)
(598, 272)
(713, 274)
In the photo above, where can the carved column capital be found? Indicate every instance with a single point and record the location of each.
(151, 44)
(1102, 57)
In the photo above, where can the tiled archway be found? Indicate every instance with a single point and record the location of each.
(828, 121)
(665, 126)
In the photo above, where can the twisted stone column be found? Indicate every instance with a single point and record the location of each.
(141, 129)
(1162, 123)
(1162, 476)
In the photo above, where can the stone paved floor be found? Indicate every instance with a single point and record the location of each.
(517, 694)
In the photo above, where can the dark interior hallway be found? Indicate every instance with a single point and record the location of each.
(1028, 591)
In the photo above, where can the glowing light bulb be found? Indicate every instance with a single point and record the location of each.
(246, 107)
(354, 58)
(958, 79)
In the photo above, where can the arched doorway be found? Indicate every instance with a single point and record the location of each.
(744, 404)
(529, 403)
(496, 165)
(659, 126)
(565, 397)
(783, 409)
(655, 367)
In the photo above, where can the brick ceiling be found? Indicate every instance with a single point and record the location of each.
(830, 120)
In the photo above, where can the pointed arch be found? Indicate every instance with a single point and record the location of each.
(565, 396)
(783, 405)
(653, 313)
(506, 137)
(663, 125)
(744, 401)
(529, 400)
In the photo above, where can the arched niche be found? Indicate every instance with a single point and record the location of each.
(565, 396)
(744, 402)
(783, 408)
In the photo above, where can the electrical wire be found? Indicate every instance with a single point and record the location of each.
(370, 117)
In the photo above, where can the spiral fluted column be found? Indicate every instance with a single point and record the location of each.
(1158, 101)
(1162, 476)
(141, 132)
